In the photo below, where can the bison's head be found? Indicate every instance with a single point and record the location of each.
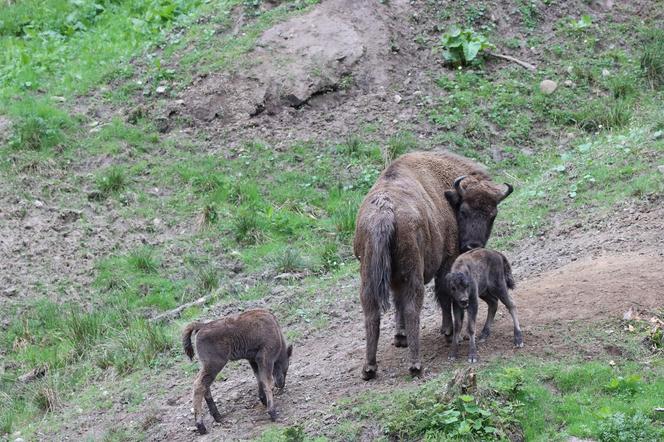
(281, 367)
(458, 284)
(475, 203)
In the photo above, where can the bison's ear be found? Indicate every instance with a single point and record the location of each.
(290, 350)
(453, 198)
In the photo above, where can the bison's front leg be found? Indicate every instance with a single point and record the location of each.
(445, 301)
(372, 329)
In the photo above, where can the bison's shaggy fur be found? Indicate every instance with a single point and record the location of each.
(406, 234)
(253, 335)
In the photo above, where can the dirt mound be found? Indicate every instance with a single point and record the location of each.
(321, 52)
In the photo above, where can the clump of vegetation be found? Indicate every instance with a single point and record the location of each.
(289, 260)
(399, 145)
(330, 259)
(207, 279)
(246, 227)
(112, 180)
(35, 133)
(462, 47)
(621, 428)
(207, 217)
(143, 260)
(652, 60)
(628, 385)
(466, 417)
(344, 217)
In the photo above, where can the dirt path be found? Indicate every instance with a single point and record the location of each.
(326, 365)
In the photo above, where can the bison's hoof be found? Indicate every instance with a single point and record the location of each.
(400, 341)
(201, 428)
(452, 358)
(473, 359)
(415, 370)
(216, 417)
(448, 337)
(518, 344)
(273, 415)
(369, 372)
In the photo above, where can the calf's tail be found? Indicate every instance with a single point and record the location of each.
(509, 279)
(186, 338)
(378, 260)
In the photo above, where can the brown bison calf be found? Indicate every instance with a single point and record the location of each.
(253, 335)
(486, 274)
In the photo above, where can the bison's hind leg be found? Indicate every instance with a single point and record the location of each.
(400, 339)
(372, 328)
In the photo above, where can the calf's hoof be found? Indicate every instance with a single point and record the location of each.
(273, 415)
(217, 417)
(400, 341)
(473, 359)
(483, 337)
(201, 428)
(415, 370)
(518, 344)
(369, 372)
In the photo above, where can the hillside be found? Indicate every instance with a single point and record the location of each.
(157, 153)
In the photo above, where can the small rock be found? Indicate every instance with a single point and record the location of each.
(19, 439)
(397, 98)
(9, 292)
(160, 90)
(568, 83)
(605, 73)
(658, 135)
(661, 168)
(39, 203)
(548, 86)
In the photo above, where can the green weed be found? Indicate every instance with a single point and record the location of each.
(143, 260)
(399, 145)
(462, 47)
(652, 60)
(112, 180)
(289, 260)
(621, 428)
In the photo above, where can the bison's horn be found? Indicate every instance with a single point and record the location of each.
(508, 191)
(457, 184)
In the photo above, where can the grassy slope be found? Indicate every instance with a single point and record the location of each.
(289, 200)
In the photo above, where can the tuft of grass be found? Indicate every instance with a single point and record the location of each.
(329, 257)
(399, 145)
(598, 115)
(207, 279)
(652, 60)
(112, 180)
(207, 217)
(246, 228)
(143, 260)
(344, 216)
(35, 133)
(289, 260)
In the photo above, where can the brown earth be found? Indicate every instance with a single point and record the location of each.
(596, 282)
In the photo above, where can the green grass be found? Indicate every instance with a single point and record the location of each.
(541, 400)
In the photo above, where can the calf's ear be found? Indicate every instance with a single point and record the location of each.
(290, 350)
(453, 198)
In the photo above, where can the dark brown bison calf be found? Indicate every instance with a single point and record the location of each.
(253, 335)
(486, 274)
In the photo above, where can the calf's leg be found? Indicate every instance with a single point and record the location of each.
(472, 318)
(456, 337)
(261, 391)
(202, 384)
(490, 316)
(265, 369)
(511, 306)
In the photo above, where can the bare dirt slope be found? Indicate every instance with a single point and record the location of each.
(601, 277)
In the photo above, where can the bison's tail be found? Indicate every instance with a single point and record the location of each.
(509, 279)
(186, 338)
(379, 259)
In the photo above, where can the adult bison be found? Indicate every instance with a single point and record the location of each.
(422, 209)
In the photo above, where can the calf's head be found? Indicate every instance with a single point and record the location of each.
(281, 367)
(459, 286)
(475, 203)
